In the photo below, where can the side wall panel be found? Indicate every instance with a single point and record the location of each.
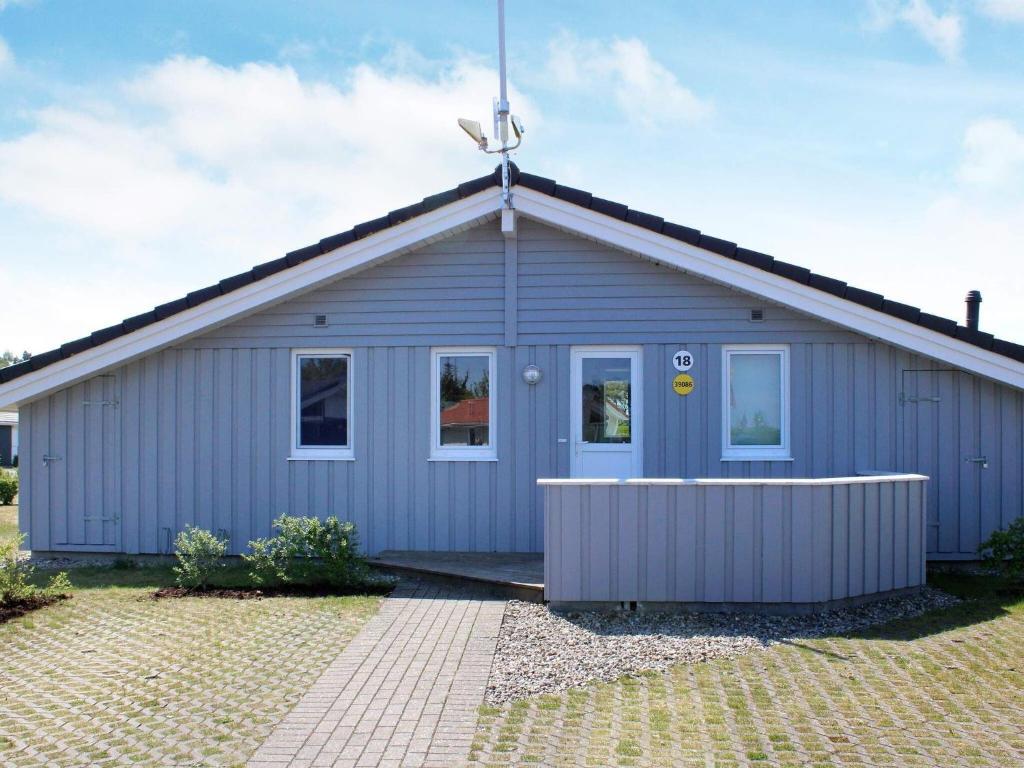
(204, 441)
(735, 533)
(205, 427)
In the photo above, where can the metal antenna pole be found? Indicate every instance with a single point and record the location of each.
(502, 109)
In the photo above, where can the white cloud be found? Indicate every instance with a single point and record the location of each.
(993, 153)
(646, 91)
(297, 50)
(1003, 10)
(943, 32)
(191, 171)
(6, 56)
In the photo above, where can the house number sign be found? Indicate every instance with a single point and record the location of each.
(682, 360)
(682, 384)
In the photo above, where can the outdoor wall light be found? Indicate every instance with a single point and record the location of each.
(531, 374)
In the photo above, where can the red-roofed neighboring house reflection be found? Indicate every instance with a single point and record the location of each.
(465, 422)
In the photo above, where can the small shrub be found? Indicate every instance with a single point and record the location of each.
(1004, 550)
(16, 573)
(8, 488)
(59, 585)
(308, 550)
(199, 554)
(266, 561)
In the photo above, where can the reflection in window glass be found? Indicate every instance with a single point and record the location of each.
(464, 399)
(755, 399)
(323, 402)
(606, 399)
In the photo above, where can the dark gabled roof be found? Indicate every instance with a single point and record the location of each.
(578, 197)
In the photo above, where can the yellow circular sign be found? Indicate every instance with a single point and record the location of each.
(683, 384)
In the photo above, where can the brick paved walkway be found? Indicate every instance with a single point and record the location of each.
(404, 692)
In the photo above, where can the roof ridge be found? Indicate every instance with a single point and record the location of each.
(550, 187)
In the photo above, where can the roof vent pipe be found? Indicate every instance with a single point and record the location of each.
(973, 309)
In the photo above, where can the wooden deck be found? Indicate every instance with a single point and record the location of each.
(518, 575)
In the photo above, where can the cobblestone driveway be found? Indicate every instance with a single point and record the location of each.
(405, 692)
(112, 677)
(943, 695)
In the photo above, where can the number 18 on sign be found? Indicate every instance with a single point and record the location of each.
(682, 360)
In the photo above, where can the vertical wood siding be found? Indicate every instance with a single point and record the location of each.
(736, 543)
(204, 428)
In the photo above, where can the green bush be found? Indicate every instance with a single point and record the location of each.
(8, 488)
(59, 584)
(15, 574)
(310, 551)
(1004, 550)
(199, 554)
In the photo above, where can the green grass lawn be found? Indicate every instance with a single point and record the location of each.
(943, 689)
(112, 676)
(8, 522)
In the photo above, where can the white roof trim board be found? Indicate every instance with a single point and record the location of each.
(475, 209)
(825, 306)
(252, 298)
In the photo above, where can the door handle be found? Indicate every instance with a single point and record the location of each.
(47, 458)
(983, 460)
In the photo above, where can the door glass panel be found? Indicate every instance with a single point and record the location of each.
(606, 399)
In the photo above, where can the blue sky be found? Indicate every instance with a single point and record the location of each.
(147, 149)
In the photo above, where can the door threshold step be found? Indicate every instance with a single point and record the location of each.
(516, 576)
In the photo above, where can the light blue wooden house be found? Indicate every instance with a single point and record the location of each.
(419, 373)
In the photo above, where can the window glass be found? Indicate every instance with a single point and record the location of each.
(606, 399)
(323, 401)
(755, 399)
(464, 400)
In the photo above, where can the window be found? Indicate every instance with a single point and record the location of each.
(463, 405)
(755, 412)
(322, 404)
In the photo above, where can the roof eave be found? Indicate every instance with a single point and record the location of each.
(650, 236)
(250, 298)
(824, 305)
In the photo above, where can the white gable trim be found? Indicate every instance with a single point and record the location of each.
(478, 208)
(253, 297)
(848, 314)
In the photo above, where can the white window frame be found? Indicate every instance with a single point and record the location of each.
(439, 452)
(323, 453)
(757, 452)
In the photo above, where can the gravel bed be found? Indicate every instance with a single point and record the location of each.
(64, 563)
(543, 652)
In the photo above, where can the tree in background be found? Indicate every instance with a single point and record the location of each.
(455, 388)
(9, 358)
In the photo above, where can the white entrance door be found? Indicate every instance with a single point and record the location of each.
(605, 412)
